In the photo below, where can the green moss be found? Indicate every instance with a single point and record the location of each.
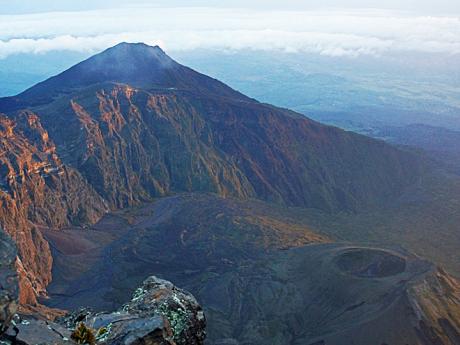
(139, 293)
(177, 319)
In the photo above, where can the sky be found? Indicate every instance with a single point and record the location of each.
(427, 7)
(333, 28)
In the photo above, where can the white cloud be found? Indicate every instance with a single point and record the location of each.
(333, 33)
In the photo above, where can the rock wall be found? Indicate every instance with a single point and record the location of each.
(37, 189)
(8, 281)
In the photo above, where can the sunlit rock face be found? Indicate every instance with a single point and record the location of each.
(36, 190)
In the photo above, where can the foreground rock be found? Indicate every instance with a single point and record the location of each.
(180, 308)
(158, 314)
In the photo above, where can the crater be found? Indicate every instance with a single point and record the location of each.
(370, 263)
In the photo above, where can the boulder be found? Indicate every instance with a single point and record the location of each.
(159, 313)
(178, 307)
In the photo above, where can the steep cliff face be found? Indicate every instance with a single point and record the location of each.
(137, 125)
(130, 124)
(8, 281)
(36, 189)
(132, 145)
(435, 300)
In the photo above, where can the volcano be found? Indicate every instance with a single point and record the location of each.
(131, 127)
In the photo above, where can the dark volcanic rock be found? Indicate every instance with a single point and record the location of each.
(180, 308)
(139, 331)
(8, 281)
(158, 314)
(138, 65)
(175, 237)
(35, 331)
(337, 293)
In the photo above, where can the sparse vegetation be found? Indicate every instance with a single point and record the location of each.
(103, 333)
(83, 335)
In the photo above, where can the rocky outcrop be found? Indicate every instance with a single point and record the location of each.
(8, 281)
(158, 314)
(435, 301)
(178, 307)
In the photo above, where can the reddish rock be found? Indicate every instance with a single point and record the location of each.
(36, 189)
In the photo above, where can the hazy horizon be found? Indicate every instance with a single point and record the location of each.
(332, 29)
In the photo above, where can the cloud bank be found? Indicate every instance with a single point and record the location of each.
(331, 33)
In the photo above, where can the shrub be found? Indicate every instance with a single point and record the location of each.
(83, 335)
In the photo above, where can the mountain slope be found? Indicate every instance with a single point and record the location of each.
(130, 125)
(261, 273)
(138, 65)
(162, 142)
(132, 108)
